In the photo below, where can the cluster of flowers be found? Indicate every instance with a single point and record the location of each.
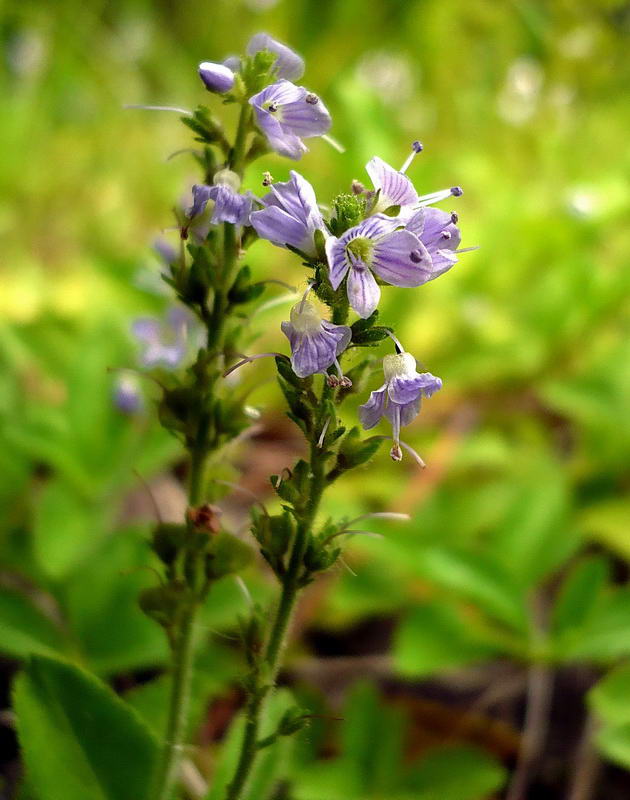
(402, 240)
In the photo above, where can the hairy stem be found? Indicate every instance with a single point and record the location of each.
(182, 638)
(279, 629)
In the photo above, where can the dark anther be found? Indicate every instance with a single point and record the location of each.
(311, 98)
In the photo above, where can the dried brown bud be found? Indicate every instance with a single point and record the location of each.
(205, 518)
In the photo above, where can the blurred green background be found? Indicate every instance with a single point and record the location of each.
(525, 105)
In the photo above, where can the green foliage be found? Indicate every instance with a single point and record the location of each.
(373, 765)
(79, 740)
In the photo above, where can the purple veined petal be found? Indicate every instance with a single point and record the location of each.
(230, 206)
(216, 77)
(313, 352)
(442, 261)
(400, 259)
(396, 188)
(306, 118)
(373, 227)
(338, 264)
(201, 194)
(363, 291)
(289, 64)
(415, 224)
(402, 413)
(439, 231)
(297, 197)
(281, 93)
(371, 412)
(405, 389)
(341, 333)
(275, 225)
(178, 318)
(285, 143)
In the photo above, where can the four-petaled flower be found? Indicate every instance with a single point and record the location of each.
(399, 397)
(291, 215)
(441, 237)
(374, 246)
(315, 342)
(286, 114)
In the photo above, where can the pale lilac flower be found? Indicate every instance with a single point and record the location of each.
(395, 189)
(228, 205)
(165, 343)
(127, 394)
(289, 64)
(438, 232)
(287, 113)
(315, 342)
(374, 246)
(398, 399)
(216, 77)
(291, 215)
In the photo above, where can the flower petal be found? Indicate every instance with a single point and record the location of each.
(399, 258)
(407, 389)
(216, 77)
(371, 412)
(396, 188)
(313, 353)
(338, 264)
(363, 291)
(305, 118)
(404, 413)
(230, 206)
(342, 334)
(277, 226)
(436, 224)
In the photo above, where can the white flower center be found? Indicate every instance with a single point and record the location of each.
(305, 318)
(395, 366)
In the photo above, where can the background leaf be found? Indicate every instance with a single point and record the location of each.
(79, 740)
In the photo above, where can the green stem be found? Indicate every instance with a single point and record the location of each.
(183, 657)
(237, 162)
(277, 637)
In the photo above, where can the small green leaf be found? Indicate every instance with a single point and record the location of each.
(24, 630)
(579, 594)
(435, 637)
(227, 555)
(610, 698)
(79, 740)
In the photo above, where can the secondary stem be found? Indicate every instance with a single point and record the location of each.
(280, 627)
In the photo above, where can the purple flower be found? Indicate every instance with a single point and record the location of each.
(441, 237)
(228, 204)
(288, 64)
(399, 397)
(315, 342)
(291, 215)
(395, 189)
(164, 343)
(127, 395)
(287, 113)
(217, 78)
(374, 246)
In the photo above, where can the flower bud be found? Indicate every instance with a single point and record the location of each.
(216, 77)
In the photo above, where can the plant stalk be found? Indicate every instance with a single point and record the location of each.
(278, 634)
(183, 640)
